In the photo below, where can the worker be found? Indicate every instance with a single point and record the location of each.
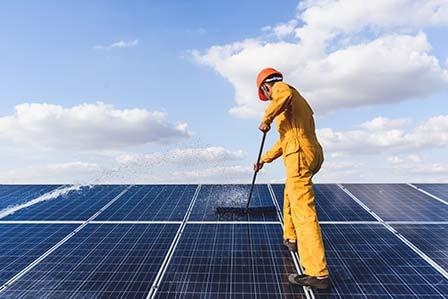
(302, 157)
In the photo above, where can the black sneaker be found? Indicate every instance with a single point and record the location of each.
(310, 281)
(292, 246)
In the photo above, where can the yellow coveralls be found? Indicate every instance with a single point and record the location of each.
(303, 157)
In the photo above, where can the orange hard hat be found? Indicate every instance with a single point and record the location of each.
(262, 75)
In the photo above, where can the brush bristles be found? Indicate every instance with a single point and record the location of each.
(244, 211)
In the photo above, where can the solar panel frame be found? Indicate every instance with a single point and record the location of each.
(432, 239)
(332, 203)
(21, 244)
(234, 259)
(111, 260)
(439, 190)
(151, 203)
(369, 261)
(399, 202)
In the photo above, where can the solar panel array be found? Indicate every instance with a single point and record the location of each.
(166, 241)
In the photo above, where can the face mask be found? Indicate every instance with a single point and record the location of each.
(265, 91)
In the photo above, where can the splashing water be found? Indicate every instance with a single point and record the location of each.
(47, 196)
(236, 196)
(170, 165)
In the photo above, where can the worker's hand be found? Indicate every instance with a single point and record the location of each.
(264, 127)
(258, 166)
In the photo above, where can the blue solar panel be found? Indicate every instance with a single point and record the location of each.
(432, 239)
(332, 204)
(16, 194)
(230, 261)
(151, 202)
(100, 261)
(399, 202)
(212, 196)
(21, 244)
(221, 260)
(368, 261)
(439, 190)
(76, 205)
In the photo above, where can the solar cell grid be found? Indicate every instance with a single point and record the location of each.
(212, 196)
(75, 205)
(17, 194)
(21, 244)
(332, 203)
(399, 202)
(108, 260)
(221, 260)
(230, 260)
(432, 239)
(368, 261)
(151, 203)
(439, 190)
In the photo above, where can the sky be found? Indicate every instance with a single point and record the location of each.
(164, 91)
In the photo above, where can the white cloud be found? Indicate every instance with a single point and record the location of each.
(384, 123)
(184, 157)
(325, 19)
(365, 69)
(282, 30)
(414, 168)
(377, 138)
(59, 173)
(87, 126)
(119, 44)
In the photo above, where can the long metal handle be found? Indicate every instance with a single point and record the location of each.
(255, 173)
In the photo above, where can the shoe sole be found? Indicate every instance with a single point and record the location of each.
(311, 286)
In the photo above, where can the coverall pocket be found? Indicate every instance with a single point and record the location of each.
(292, 164)
(291, 158)
(292, 146)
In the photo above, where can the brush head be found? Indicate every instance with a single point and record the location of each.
(244, 211)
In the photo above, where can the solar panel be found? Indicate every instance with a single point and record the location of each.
(230, 260)
(151, 202)
(399, 202)
(76, 205)
(212, 196)
(21, 244)
(432, 239)
(332, 203)
(439, 190)
(17, 194)
(108, 260)
(369, 261)
(208, 258)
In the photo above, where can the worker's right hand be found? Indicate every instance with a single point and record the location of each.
(264, 127)
(258, 166)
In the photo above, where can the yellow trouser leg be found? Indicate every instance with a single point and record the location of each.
(288, 227)
(303, 213)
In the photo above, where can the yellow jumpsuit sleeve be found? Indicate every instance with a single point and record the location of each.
(273, 153)
(281, 98)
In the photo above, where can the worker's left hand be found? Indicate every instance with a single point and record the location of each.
(264, 127)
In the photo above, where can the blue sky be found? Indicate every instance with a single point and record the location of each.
(196, 60)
